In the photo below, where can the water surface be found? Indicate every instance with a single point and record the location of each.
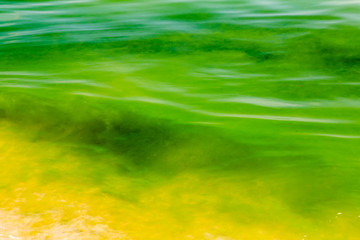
(180, 119)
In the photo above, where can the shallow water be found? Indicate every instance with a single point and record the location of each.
(180, 119)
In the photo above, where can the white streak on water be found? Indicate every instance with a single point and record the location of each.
(335, 135)
(19, 86)
(285, 14)
(343, 83)
(275, 118)
(264, 102)
(44, 4)
(343, 2)
(281, 103)
(9, 17)
(300, 79)
(215, 114)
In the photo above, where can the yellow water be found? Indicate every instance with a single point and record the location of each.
(59, 201)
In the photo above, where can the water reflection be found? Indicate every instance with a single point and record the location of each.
(103, 21)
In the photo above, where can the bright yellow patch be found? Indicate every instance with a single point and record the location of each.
(48, 192)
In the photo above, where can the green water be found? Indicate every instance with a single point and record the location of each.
(180, 119)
